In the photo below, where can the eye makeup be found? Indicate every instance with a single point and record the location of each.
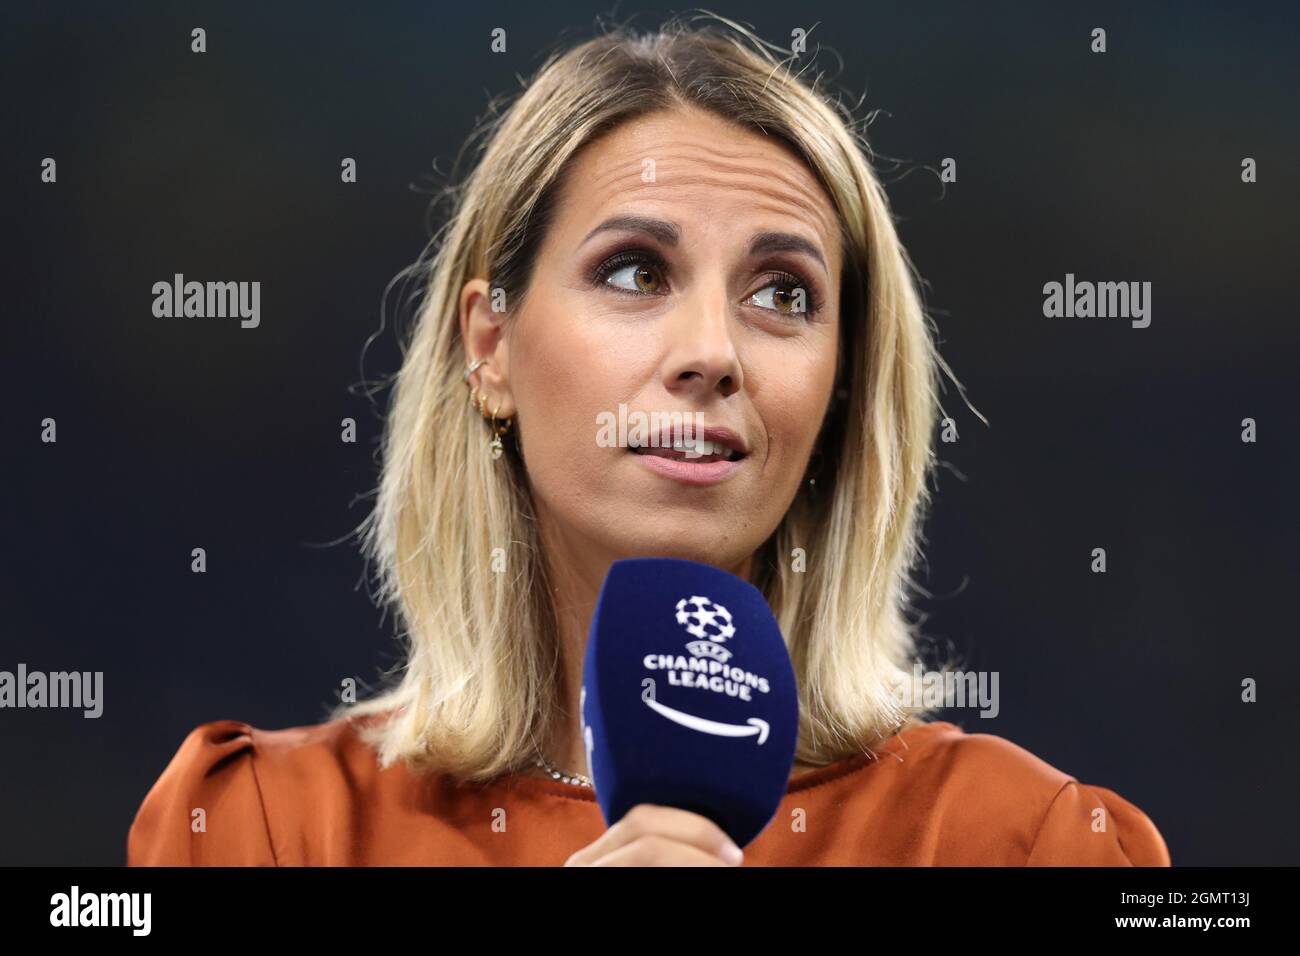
(639, 256)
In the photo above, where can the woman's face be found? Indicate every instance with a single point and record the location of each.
(669, 282)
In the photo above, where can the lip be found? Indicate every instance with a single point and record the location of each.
(688, 472)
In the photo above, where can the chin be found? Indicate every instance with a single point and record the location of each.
(675, 540)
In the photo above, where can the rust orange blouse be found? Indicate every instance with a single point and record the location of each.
(932, 795)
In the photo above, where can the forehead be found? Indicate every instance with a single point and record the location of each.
(697, 168)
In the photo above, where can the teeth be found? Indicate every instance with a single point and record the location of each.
(700, 447)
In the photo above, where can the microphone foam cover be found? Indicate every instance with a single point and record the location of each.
(689, 697)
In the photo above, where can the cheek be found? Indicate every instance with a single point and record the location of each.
(792, 429)
(793, 407)
(563, 375)
(572, 359)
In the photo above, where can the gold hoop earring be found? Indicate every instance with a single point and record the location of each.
(479, 400)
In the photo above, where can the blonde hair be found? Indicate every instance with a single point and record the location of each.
(481, 675)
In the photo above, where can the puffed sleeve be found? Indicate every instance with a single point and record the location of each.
(1093, 826)
(206, 809)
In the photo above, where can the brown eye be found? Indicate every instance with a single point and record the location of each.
(784, 296)
(646, 279)
(638, 277)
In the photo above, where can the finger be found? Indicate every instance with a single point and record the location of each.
(655, 850)
(646, 818)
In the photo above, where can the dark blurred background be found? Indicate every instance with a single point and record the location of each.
(175, 434)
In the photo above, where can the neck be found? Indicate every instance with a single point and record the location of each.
(577, 570)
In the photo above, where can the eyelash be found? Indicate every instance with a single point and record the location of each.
(600, 277)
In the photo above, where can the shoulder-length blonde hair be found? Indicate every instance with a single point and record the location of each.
(480, 681)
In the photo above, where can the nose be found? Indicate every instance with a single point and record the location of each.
(701, 356)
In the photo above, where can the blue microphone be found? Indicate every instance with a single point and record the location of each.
(688, 696)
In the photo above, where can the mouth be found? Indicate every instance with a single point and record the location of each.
(714, 445)
(702, 460)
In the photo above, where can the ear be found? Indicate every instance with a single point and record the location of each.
(482, 333)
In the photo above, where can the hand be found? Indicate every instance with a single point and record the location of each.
(651, 835)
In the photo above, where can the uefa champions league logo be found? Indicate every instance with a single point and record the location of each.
(709, 623)
(711, 626)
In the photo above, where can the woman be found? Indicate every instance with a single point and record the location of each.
(672, 224)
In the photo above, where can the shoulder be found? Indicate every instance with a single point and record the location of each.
(981, 765)
(1004, 804)
(230, 789)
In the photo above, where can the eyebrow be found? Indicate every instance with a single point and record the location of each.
(785, 242)
(668, 233)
